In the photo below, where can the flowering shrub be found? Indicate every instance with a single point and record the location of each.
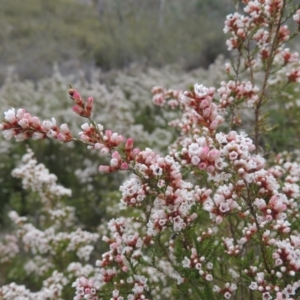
(122, 102)
(212, 218)
(49, 248)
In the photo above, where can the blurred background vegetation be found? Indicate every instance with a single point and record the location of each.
(79, 34)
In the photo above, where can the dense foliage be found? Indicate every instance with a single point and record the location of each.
(209, 208)
(79, 34)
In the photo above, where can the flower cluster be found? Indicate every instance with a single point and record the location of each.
(37, 178)
(81, 108)
(237, 91)
(212, 218)
(39, 244)
(22, 125)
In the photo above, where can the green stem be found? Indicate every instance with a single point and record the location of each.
(269, 64)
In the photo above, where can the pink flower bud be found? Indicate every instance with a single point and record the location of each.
(204, 152)
(108, 133)
(159, 99)
(98, 146)
(64, 128)
(206, 112)
(78, 110)
(89, 107)
(38, 136)
(210, 169)
(213, 155)
(204, 104)
(84, 137)
(135, 152)
(52, 134)
(104, 169)
(106, 239)
(83, 281)
(129, 145)
(116, 155)
(213, 125)
(157, 89)
(124, 269)
(114, 137)
(193, 217)
(89, 102)
(77, 98)
(124, 166)
(20, 113)
(104, 150)
(35, 122)
(23, 123)
(22, 136)
(195, 160)
(114, 162)
(61, 137)
(120, 140)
